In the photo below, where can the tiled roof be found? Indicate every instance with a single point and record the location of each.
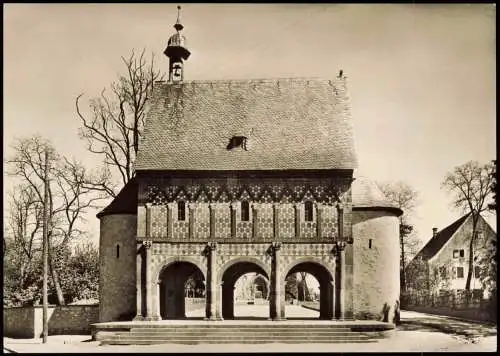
(291, 124)
(366, 195)
(124, 203)
(437, 242)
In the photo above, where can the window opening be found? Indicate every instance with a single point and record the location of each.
(245, 211)
(370, 243)
(309, 211)
(117, 251)
(181, 211)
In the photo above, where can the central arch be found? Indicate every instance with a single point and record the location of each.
(326, 285)
(228, 280)
(178, 281)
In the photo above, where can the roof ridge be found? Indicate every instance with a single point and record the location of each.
(254, 80)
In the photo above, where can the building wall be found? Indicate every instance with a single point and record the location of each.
(27, 322)
(213, 206)
(117, 284)
(460, 240)
(376, 269)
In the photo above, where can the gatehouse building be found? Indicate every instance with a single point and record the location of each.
(241, 176)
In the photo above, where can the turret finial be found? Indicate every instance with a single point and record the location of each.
(178, 26)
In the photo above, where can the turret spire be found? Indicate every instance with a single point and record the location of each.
(178, 26)
(177, 52)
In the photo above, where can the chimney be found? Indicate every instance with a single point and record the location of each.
(434, 231)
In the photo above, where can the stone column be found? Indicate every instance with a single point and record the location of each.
(148, 244)
(275, 295)
(211, 309)
(138, 283)
(341, 277)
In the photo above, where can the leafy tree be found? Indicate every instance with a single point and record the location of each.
(471, 186)
(404, 197)
(114, 126)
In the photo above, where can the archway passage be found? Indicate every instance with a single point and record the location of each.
(181, 287)
(326, 288)
(229, 279)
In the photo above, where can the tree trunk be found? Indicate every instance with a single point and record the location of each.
(471, 258)
(55, 278)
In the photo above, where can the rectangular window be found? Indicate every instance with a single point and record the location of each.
(455, 253)
(460, 272)
(181, 211)
(462, 253)
(458, 253)
(477, 272)
(442, 271)
(308, 211)
(245, 211)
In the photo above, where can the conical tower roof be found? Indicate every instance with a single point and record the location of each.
(366, 195)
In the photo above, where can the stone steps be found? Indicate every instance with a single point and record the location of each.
(150, 334)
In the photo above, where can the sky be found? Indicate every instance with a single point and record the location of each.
(421, 78)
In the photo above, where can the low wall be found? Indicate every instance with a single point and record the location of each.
(474, 314)
(27, 322)
(194, 303)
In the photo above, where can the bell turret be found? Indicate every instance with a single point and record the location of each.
(177, 52)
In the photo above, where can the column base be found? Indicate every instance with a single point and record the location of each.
(152, 318)
(277, 318)
(138, 318)
(214, 318)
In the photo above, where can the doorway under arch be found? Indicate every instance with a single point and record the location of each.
(326, 288)
(180, 281)
(229, 278)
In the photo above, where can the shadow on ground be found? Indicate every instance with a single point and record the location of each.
(469, 331)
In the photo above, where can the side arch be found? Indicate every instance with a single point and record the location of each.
(328, 267)
(236, 260)
(164, 264)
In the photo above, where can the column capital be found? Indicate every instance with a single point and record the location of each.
(148, 205)
(147, 244)
(338, 247)
(273, 248)
(212, 246)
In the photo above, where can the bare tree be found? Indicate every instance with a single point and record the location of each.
(114, 127)
(470, 184)
(69, 197)
(23, 229)
(406, 198)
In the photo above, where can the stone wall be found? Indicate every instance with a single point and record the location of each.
(117, 255)
(376, 263)
(27, 322)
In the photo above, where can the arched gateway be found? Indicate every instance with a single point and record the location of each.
(246, 176)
